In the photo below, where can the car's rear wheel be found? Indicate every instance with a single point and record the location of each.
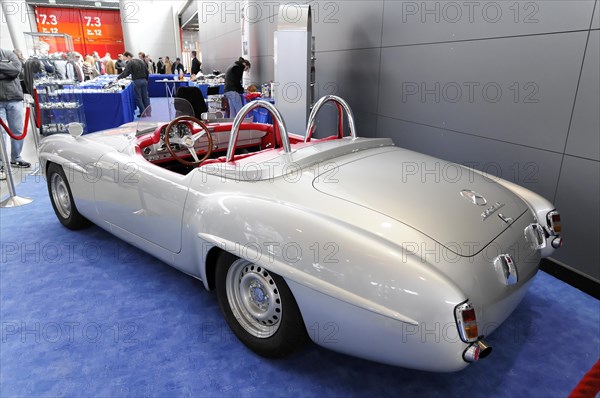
(259, 307)
(62, 199)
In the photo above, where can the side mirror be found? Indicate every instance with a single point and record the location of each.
(75, 129)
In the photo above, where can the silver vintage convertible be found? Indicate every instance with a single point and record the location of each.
(351, 242)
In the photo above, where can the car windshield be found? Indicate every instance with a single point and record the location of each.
(162, 111)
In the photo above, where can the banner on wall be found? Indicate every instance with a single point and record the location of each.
(91, 29)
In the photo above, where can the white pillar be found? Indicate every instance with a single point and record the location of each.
(16, 15)
(292, 65)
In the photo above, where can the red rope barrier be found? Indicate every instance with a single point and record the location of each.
(24, 133)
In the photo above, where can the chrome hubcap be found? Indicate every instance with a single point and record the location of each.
(60, 195)
(254, 298)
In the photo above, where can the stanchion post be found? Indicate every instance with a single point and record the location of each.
(13, 200)
(35, 132)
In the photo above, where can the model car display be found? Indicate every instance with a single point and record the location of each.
(351, 242)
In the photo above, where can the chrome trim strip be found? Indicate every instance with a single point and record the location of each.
(506, 269)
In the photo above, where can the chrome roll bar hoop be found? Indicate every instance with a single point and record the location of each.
(239, 118)
(340, 103)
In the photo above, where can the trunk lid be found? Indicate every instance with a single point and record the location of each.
(451, 204)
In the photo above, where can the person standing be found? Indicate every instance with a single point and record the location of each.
(168, 66)
(89, 68)
(160, 66)
(74, 68)
(139, 75)
(151, 64)
(98, 66)
(120, 64)
(177, 67)
(109, 65)
(233, 85)
(196, 64)
(11, 106)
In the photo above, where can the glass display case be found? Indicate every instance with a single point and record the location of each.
(60, 104)
(47, 45)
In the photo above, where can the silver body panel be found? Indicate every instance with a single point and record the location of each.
(376, 262)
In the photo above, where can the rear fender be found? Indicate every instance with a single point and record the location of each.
(539, 205)
(322, 254)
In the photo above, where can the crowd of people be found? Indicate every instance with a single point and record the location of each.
(16, 72)
(91, 65)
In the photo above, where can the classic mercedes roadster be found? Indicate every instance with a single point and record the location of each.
(350, 242)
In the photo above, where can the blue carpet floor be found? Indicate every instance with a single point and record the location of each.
(85, 314)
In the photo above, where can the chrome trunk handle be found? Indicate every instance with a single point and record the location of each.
(239, 118)
(341, 104)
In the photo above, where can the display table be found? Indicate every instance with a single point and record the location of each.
(171, 86)
(260, 115)
(218, 88)
(158, 89)
(104, 110)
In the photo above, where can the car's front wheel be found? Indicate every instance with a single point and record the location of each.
(259, 307)
(62, 199)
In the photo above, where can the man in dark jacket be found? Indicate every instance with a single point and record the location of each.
(233, 85)
(195, 64)
(120, 64)
(11, 105)
(160, 66)
(177, 67)
(139, 75)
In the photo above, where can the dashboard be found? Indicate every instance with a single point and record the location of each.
(158, 152)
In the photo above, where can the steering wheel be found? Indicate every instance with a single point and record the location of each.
(188, 140)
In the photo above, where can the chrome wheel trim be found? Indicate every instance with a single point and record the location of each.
(60, 195)
(254, 298)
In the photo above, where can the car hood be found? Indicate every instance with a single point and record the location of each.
(425, 193)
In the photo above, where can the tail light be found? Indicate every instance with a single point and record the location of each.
(553, 219)
(466, 321)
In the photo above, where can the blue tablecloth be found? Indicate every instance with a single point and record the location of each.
(107, 110)
(158, 89)
(204, 88)
(260, 115)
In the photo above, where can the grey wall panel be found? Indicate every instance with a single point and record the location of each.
(534, 169)
(578, 202)
(262, 70)
(218, 18)
(584, 136)
(410, 22)
(357, 24)
(596, 20)
(519, 90)
(375, 61)
(219, 53)
(353, 75)
(366, 124)
(261, 37)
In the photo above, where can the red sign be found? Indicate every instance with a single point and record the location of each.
(91, 29)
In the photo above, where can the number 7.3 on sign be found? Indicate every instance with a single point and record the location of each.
(47, 19)
(92, 21)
